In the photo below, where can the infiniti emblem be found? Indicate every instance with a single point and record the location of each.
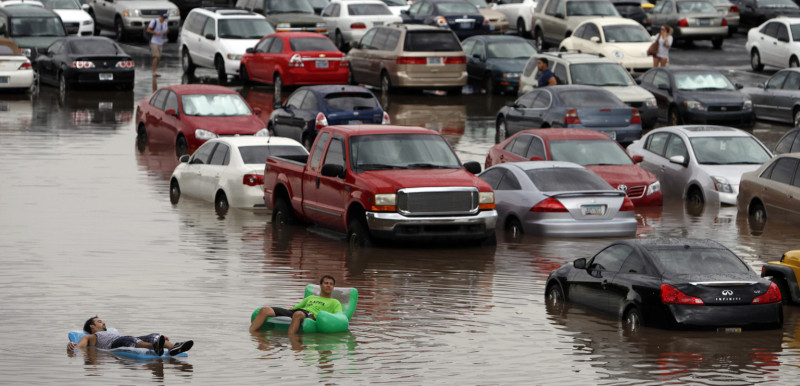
(727, 292)
(723, 108)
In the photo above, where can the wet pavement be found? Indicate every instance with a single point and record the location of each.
(87, 229)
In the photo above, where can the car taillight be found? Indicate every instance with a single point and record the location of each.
(411, 60)
(82, 64)
(724, 22)
(734, 9)
(635, 116)
(125, 64)
(25, 66)
(386, 120)
(549, 205)
(627, 205)
(671, 295)
(441, 21)
(344, 63)
(572, 117)
(683, 23)
(253, 179)
(321, 121)
(358, 26)
(773, 295)
(455, 60)
(296, 61)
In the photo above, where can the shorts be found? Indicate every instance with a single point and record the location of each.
(155, 50)
(284, 312)
(130, 341)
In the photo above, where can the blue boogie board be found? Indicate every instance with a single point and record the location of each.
(127, 352)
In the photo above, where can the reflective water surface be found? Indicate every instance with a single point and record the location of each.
(87, 229)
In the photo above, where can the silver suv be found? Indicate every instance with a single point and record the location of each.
(131, 17)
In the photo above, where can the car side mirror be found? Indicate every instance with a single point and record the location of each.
(579, 263)
(559, 15)
(663, 86)
(211, 37)
(761, 85)
(638, 81)
(637, 159)
(332, 170)
(679, 159)
(473, 167)
(184, 158)
(404, 12)
(257, 110)
(595, 39)
(171, 112)
(511, 104)
(738, 86)
(250, 50)
(86, 7)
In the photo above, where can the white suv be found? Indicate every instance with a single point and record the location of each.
(218, 37)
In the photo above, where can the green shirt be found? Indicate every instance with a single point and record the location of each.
(315, 304)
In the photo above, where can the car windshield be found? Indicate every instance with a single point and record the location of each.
(699, 261)
(35, 26)
(214, 105)
(625, 34)
(510, 50)
(395, 3)
(776, 4)
(600, 74)
(478, 3)
(695, 7)
(244, 28)
(312, 44)
(61, 4)
(591, 8)
(728, 151)
(566, 180)
(705, 81)
(289, 6)
(351, 101)
(401, 151)
(456, 8)
(93, 47)
(795, 32)
(589, 152)
(431, 41)
(368, 9)
(257, 154)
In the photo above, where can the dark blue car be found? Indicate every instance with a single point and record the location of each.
(458, 15)
(312, 107)
(496, 62)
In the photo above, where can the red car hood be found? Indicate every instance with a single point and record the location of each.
(388, 181)
(243, 124)
(629, 175)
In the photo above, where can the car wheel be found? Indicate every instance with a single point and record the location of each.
(793, 62)
(786, 295)
(632, 320)
(186, 62)
(757, 213)
(283, 213)
(219, 65)
(695, 197)
(386, 83)
(554, 299)
(674, 119)
(488, 83)
(755, 60)
(797, 118)
(141, 133)
(717, 42)
(96, 25)
(514, 228)
(119, 30)
(277, 85)
(174, 192)
(358, 233)
(243, 75)
(538, 39)
(521, 28)
(221, 204)
(501, 133)
(181, 146)
(63, 86)
(338, 40)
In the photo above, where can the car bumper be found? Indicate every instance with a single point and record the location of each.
(449, 79)
(248, 197)
(301, 76)
(626, 134)
(397, 226)
(465, 33)
(92, 76)
(16, 79)
(617, 227)
(319, 30)
(747, 315)
(732, 118)
(701, 32)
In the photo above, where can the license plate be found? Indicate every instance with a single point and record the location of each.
(377, 23)
(733, 330)
(465, 25)
(354, 122)
(105, 106)
(612, 134)
(434, 60)
(704, 22)
(322, 64)
(3, 79)
(593, 210)
(104, 76)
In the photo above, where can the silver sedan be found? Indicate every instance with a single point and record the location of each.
(691, 20)
(564, 199)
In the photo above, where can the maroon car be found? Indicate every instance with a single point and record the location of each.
(188, 115)
(594, 150)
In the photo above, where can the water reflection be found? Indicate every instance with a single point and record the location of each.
(157, 160)
(82, 109)
(97, 362)
(16, 112)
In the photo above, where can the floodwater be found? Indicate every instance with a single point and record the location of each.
(87, 229)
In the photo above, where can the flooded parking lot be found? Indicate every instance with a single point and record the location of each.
(88, 229)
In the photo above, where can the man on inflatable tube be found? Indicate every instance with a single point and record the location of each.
(308, 307)
(98, 335)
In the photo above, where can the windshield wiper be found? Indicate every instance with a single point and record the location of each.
(377, 167)
(426, 166)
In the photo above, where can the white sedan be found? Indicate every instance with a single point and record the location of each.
(16, 71)
(617, 38)
(518, 13)
(229, 171)
(348, 20)
(776, 42)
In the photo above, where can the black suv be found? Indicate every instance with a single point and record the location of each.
(31, 28)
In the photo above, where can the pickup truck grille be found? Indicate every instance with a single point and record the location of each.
(437, 201)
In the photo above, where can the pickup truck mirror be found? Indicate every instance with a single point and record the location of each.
(579, 263)
(184, 158)
(473, 167)
(171, 112)
(332, 170)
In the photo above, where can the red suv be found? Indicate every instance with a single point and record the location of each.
(189, 115)
(594, 150)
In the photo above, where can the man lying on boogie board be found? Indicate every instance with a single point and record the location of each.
(100, 337)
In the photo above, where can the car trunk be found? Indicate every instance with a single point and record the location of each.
(605, 117)
(724, 292)
(600, 205)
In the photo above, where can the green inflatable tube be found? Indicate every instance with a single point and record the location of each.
(326, 321)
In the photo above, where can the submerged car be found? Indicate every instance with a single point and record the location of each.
(773, 190)
(560, 199)
(672, 283)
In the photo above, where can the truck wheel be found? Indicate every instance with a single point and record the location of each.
(283, 213)
(358, 233)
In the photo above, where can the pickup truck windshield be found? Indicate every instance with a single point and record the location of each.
(401, 151)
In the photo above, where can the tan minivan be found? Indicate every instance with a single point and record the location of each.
(409, 56)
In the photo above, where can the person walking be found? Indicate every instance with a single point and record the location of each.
(546, 77)
(664, 40)
(158, 29)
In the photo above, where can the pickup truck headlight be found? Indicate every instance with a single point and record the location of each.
(262, 133)
(654, 187)
(204, 134)
(650, 102)
(174, 12)
(386, 202)
(485, 200)
(694, 105)
(131, 13)
(721, 184)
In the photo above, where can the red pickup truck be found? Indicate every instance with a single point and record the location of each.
(382, 181)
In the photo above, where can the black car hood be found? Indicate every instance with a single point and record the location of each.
(721, 97)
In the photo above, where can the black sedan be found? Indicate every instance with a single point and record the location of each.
(458, 15)
(310, 108)
(754, 12)
(672, 283)
(687, 95)
(85, 61)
